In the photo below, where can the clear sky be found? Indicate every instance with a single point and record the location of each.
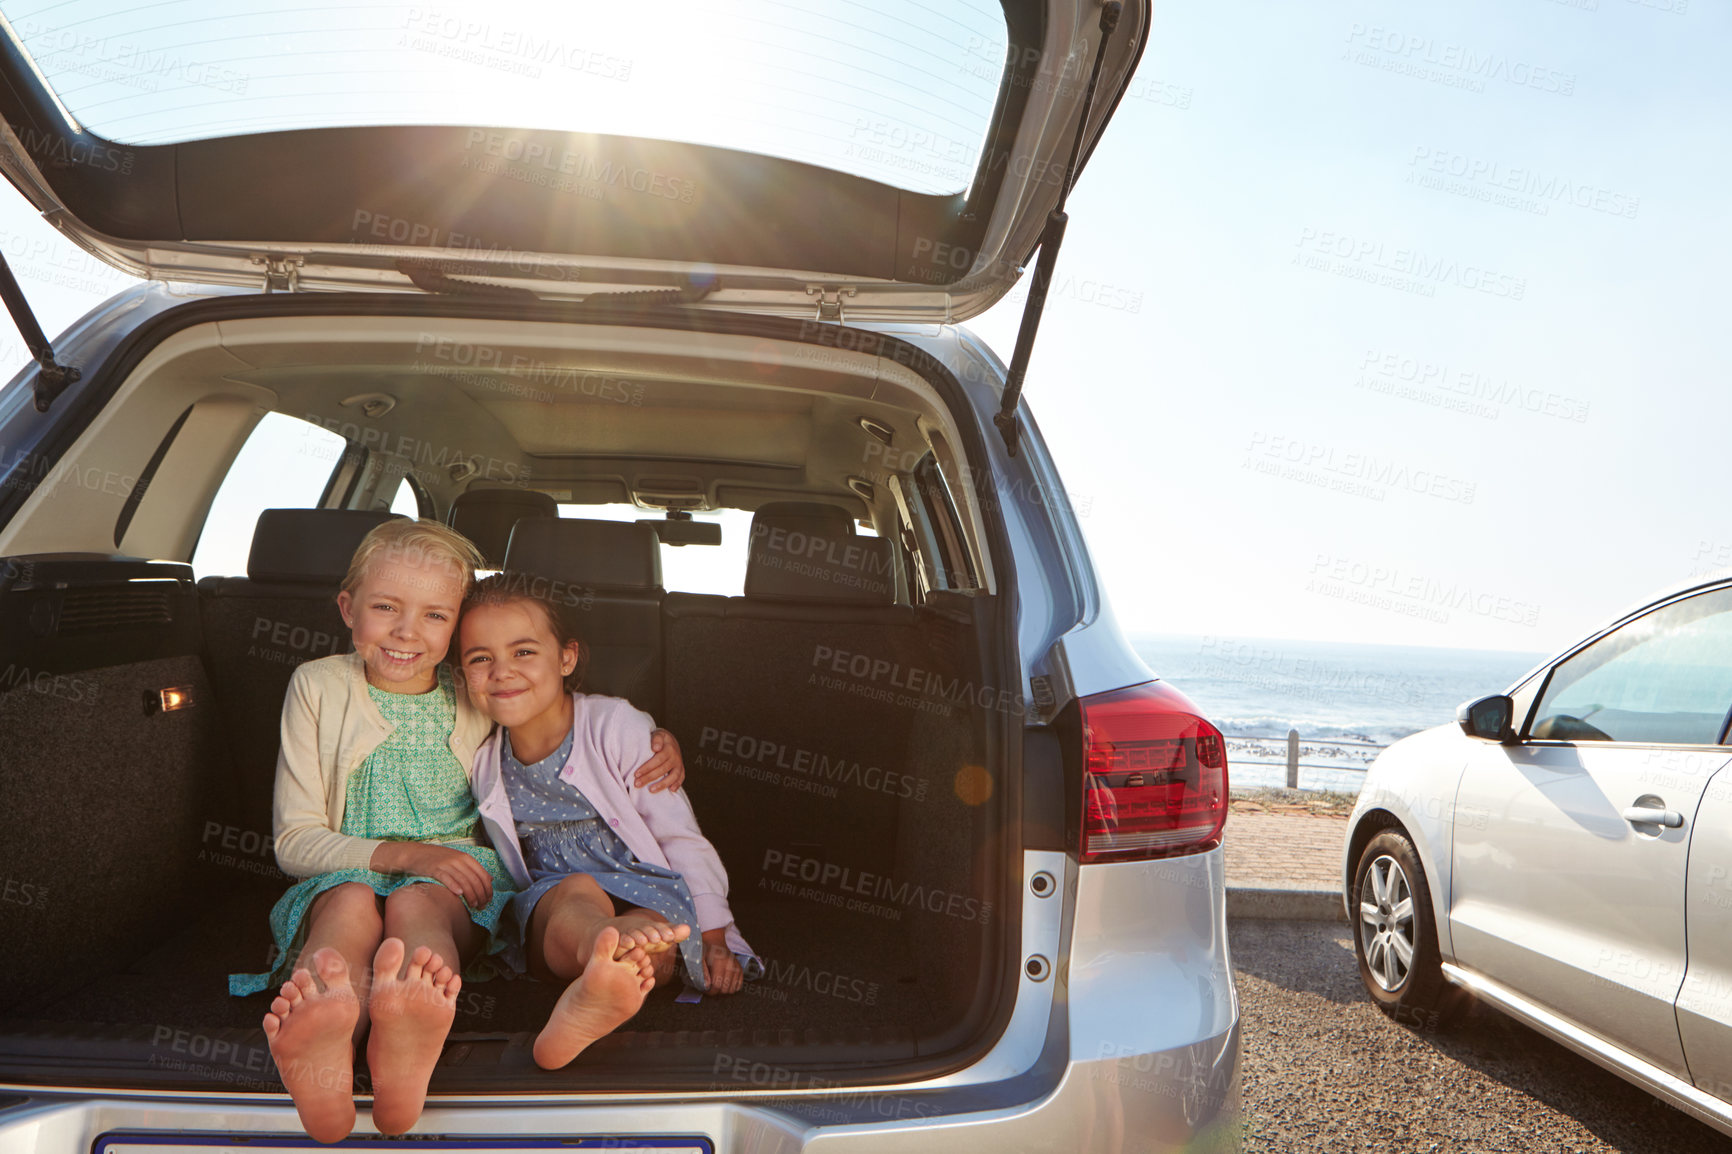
(1374, 323)
(1262, 442)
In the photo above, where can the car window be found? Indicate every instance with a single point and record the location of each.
(938, 541)
(718, 569)
(1664, 677)
(284, 465)
(407, 503)
(898, 91)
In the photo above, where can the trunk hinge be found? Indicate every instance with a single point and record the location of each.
(1051, 237)
(830, 300)
(51, 376)
(282, 273)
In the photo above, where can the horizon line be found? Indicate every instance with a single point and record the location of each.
(1534, 653)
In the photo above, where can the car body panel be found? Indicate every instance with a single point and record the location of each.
(1596, 1049)
(1705, 1002)
(1414, 781)
(475, 201)
(1557, 895)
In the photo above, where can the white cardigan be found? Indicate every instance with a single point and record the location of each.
(330, 725)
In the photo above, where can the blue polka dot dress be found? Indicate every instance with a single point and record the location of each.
(562, 835)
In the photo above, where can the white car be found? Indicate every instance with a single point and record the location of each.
(1564, 853)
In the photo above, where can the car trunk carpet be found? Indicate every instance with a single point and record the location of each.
(827, 984)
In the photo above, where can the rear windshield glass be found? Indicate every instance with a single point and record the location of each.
(718, 569)
(893, 90)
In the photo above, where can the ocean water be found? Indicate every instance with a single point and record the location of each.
(1347, 701)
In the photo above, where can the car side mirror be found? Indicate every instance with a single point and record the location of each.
(1489, 718)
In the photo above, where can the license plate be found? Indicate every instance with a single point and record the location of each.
(172, 1143)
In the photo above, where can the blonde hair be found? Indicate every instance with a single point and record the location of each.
(415, 542)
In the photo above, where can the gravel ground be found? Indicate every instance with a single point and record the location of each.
(1324, 1070)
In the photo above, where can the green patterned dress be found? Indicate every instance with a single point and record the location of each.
(411, 788)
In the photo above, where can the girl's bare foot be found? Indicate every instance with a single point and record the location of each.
(411, 1017)
(610, 991)
(311, 1037)
(642, 930)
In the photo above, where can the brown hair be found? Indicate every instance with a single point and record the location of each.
(511, 587)
(415, 542)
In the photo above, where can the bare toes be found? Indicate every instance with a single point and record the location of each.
(388, 960)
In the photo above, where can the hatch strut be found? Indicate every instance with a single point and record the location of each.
(53, 377)
(1051, 237)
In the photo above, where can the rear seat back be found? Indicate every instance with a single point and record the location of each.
(258, 628)
(606, 577)
(806, 554)
(794, 704)
(486, 517)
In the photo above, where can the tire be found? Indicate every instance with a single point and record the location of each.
(1395, 936)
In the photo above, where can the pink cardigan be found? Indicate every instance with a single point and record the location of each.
(611, 738)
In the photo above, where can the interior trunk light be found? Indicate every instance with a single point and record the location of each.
(1154, 776)
(167, 700)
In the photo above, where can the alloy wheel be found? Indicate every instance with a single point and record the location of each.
(1386, 922)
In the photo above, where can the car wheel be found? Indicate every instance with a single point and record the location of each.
(1395, 935)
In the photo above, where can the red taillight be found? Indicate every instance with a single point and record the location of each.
(1154, 775)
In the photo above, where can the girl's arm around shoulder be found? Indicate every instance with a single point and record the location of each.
(305, 842)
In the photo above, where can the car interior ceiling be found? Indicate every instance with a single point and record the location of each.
(153, 825)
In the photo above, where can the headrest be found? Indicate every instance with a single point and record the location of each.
(309, 546)
(486, 516)
(808, 552)
(617, 554)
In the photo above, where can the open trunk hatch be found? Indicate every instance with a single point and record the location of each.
(883, 164)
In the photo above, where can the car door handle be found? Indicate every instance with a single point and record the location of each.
(1651, 815)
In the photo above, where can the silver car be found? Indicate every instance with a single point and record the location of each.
(688, 308)
(1564, 853)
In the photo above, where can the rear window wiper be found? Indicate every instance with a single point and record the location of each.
(431, 277)
(427, 276)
